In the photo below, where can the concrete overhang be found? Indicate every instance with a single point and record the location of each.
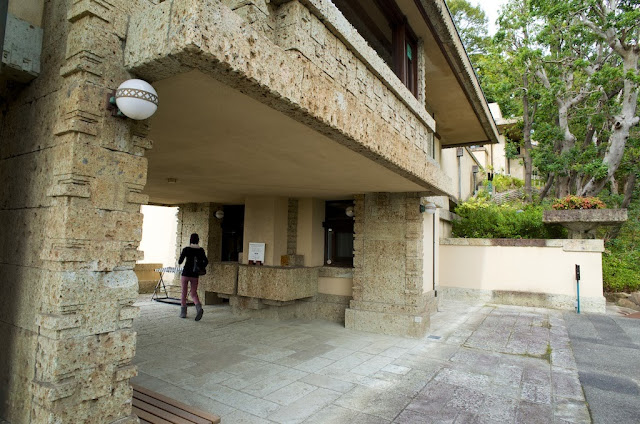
(221, 146)
(239, 116)
(453, 95)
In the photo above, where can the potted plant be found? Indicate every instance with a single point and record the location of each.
(582, 216)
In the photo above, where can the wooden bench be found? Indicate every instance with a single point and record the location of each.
(152, 407)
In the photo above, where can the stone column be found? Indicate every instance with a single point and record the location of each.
(389, 291)
(72, 177)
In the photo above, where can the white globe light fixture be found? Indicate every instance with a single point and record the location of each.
(429, 208)
(136, 99)
(349, 211)
(220, 214)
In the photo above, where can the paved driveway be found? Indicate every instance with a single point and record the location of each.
(607, 351)
(479, 364)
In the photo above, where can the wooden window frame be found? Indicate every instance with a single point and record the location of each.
(332, 226)
(403, 36)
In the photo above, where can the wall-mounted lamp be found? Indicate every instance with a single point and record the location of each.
(135, 99)
(219, 214)
(428, 207)
(349, 211)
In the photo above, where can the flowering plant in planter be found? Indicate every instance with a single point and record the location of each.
(572, 202)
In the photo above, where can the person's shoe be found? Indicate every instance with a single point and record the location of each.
(183, 312)
(200, 312)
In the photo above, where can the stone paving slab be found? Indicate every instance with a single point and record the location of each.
(479, 364)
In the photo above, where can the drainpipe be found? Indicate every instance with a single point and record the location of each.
(459, 153)
(433, 267)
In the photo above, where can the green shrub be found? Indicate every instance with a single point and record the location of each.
(621, 260)
(483, 219)
(620, 274)
(505, 182)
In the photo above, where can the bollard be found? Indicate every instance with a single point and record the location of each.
(578, 287)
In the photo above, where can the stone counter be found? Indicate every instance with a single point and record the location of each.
(224, 278)
(277, 283)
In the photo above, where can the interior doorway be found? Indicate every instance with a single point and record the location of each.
(232, 232)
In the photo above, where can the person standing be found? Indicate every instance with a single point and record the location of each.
(193, 254)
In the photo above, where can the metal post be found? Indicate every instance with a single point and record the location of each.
(578, 287)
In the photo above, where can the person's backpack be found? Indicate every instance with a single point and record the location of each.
(199, 268)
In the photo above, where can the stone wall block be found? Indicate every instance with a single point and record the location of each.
(70, 290)
(26, 179)
(23, 236)
(19, 126)
(46, 392)
(414, 248)
(57, 323)
(113, 408)
(414, 265)
(82, 8)
(125, 373)
(129, 312)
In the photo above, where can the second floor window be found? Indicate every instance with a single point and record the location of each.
(384, 27)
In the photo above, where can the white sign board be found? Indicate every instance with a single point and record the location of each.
(256, 252)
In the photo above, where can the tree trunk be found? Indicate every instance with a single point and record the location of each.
(563, 186)
(629, 187)
(528, 113)
(547, 186)
(623, 123)
(614, 186)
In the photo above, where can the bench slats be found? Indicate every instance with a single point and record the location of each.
(191, 418)
(149, 417)
(157, 408)
(160, 412)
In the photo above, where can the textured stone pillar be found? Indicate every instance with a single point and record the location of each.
(389, 291)
(71, 177)
(200, 218)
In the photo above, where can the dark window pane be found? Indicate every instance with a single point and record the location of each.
(344, 244)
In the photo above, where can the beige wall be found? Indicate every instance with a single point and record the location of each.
(428, 251)
(265, 221)
(478, 264)
(450, 167)
(27, 10)
(502, 165)
(310, 236)
(335, 286)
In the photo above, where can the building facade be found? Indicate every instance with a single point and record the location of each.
(281, 114)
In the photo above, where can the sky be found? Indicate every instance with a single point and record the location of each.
(491, 8)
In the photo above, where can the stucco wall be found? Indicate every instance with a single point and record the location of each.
(335, 285)
(310, 234)
(27, 10)
(462, 182)
(265, 221)
(483, 267)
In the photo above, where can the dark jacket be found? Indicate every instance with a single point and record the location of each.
(189, 253)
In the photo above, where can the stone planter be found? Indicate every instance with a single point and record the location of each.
(582, 223)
